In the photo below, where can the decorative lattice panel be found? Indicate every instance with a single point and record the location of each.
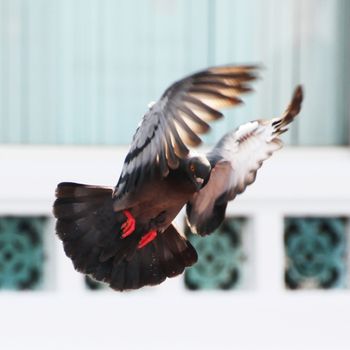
(315, 253)
(220, 258)
(21, 252)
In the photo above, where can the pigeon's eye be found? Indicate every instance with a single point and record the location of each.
(192, 168)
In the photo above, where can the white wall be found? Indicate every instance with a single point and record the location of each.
(296, 181)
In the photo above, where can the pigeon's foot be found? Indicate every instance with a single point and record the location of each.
(128, 226)
(147, 238)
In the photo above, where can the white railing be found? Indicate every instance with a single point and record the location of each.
(263, 315)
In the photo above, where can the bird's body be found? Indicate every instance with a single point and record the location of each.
(159, 204)
(125, 236)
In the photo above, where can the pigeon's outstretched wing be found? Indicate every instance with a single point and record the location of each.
(174, 122)
(235, 161)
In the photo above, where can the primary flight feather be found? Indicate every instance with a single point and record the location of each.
(125, 236)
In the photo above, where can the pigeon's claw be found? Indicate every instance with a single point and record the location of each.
(147, 238)
(128, 226)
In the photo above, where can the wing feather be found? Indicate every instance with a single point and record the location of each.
(172, 124)
(235, 160)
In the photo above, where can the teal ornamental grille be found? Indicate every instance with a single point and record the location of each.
(315, 253)
(21, 252)
(220, 258)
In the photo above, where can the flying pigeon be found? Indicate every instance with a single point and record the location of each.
(124, 236)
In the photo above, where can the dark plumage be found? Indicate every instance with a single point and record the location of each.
(89, 229)
(125, 236)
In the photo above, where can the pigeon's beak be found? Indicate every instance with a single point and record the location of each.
(198, 182)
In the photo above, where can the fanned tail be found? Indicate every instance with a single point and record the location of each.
(91, 235)
(166, 256)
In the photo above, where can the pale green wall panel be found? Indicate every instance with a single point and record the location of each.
(83, 71)
(277, 47)
(236, 34)
(38, 72)
(180, 41)
(285, 61)
(11, 73)
(322, 44)
(3, 78)
(250, 32)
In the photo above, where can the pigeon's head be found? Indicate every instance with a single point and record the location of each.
(199, 171)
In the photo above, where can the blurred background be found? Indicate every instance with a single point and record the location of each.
(75, 79)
